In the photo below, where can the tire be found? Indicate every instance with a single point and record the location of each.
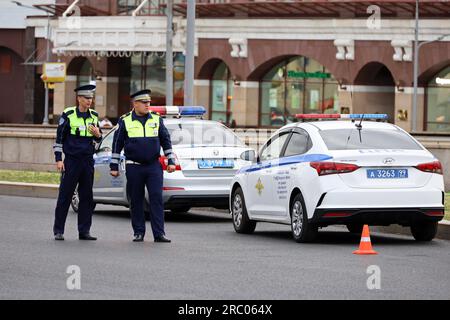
(75, 203)
(180, 210)
(355, 228)
(241, 221)
(424, 231)
(302, 230)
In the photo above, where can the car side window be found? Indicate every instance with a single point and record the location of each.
(273, 148)
(299, 143)
(106, 144)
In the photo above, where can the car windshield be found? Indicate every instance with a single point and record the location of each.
(202, 134)
(350, 139)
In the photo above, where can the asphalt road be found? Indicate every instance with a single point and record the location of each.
(206, 260)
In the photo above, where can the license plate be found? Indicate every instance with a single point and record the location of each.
(208, 164)
(387, 173)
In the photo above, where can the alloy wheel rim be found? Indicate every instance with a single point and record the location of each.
(237, 210)
(75, 200)
(297, 218)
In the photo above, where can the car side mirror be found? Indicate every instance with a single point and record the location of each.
(249, 155)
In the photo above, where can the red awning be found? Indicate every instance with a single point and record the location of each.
(314, 8)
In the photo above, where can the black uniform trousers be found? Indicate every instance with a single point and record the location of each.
(140, 176)
(77, 171)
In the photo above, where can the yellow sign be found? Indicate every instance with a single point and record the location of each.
(259, 186)
(54, 72)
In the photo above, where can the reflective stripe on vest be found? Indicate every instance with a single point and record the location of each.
(136, 130)
(79, 126)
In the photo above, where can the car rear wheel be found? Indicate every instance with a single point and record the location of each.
(424, 231)
(355, 228)
(302, 229)
(180, 210)
(241, 221)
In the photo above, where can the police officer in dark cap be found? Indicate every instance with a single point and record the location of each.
(142, 134)
(77, 130)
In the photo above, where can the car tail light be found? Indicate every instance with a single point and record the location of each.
(435, 213)
(173, 189)
(324, 168)
(337, 214)
(165, 162)
(432, 167)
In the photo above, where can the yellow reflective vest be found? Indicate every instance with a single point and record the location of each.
(79, 126)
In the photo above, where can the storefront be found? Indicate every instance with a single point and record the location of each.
(296, 85)
(438, 102)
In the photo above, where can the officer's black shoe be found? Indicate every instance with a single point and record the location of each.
(86, 236)
(59, 236)
(138, 238)
(162, 239)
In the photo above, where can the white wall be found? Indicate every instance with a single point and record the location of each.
(13, 17)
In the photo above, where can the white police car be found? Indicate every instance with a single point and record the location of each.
(315, 174)
(208, 156)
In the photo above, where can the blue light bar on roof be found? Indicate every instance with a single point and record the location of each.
(353, 116)
(381, 116)
(179, 110)
(192, 111)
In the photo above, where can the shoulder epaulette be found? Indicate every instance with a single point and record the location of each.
(95, 113)
(154, 112)
(125, 115)
(69, 110)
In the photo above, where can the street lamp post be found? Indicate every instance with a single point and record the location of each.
(189, 64)
(416, 68)
(169, 54)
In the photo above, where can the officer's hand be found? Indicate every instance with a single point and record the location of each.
(171, 168)
(94, 131)
(115, 173)
(60, 166)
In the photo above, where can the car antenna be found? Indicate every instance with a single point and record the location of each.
(359, 127)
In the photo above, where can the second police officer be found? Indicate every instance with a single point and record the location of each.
(141, 134)
(77, 130)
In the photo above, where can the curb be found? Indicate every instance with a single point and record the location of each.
(36, 190)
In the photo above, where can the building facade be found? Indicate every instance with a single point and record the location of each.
(258, 63)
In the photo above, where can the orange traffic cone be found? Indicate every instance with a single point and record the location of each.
(365, 246)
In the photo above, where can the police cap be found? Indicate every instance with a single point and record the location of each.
(86, 91)
(143, 95)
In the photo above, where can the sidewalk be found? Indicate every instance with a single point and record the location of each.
(37, 190)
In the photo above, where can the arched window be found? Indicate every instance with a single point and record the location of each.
(296, 85)
(86, 73)
(221, 94)
(438, 102)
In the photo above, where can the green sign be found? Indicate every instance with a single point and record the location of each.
(317, 74)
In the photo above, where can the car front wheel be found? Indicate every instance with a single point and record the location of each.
(302, 230)
(241, 221)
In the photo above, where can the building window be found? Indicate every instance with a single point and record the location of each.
(221, 94)
(86, 74)
(152, 8)
(438, 102)
(5, 63)
(148, 71)
(296, 85)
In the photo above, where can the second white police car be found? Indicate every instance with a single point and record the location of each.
(208, 156)
(321, 173)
